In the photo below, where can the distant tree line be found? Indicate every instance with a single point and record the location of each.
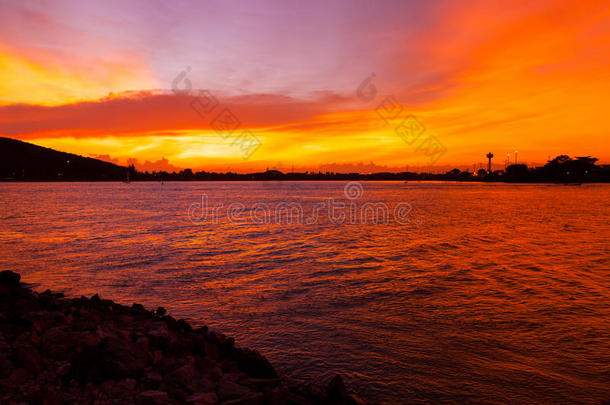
(562, 169)
(22, 161)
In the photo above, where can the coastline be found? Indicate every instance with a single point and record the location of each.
(57, 350)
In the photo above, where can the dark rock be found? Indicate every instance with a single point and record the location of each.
(129, 384)
(57, 343)
(336, 389)
(178, 394)
(217, 337)
(63, 368)
(152, 398)
(153, 380)
(229, 366)
(277, 396)
(254, 364)
(254, 398)
(170, 321)
(107, 386)
(114, 358)
(87, 366)
(124, 389)
(159, 336)
(142, 342)
(50, 397)
(6, 366)
(86, 339)
(203, 398)
(261, 382)
(19, 376)
(228, 389)
(167, 365)
(186, 377)
(26, 356)
(182, 324)
(209, 367)
(198, 344)
(55, 350)
(157, 356)
(211, 350)
(9, 278)
(122, 358)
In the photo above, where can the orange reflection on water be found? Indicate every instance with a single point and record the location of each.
(499, 288)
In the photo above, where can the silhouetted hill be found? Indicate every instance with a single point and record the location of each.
(25, 161)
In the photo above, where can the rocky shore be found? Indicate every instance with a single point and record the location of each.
(57, 350)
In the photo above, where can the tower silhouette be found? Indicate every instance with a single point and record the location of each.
(489, 156)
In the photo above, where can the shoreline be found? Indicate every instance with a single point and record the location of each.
(434, 178)
(533, 183)
(56, 350)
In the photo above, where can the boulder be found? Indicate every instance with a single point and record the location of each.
(254, 364)
(279, 395)
(153, 380)
(122, 359)
(185, 377)
(26, 356)
(9, 278)
(124, 389)
(254, 398)
(228, 390)
(19, 377)
(211, 350)
(57, 343)
(203, 398)
(6, 366)
(336, 390)
(152, 398)
(159, 336)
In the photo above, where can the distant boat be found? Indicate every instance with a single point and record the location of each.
(572, 184)
(126, 178)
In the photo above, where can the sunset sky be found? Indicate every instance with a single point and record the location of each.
(95, 78)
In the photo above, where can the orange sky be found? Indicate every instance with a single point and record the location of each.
(478, 75)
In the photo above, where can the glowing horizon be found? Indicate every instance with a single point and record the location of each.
(96, 80)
